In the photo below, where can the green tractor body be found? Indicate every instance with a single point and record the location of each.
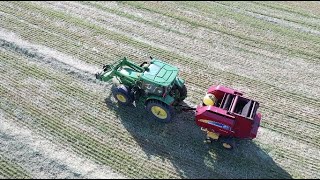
(156, 83)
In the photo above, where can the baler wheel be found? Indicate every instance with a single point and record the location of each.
(227, 145)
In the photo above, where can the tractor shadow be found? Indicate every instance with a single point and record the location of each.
(181, 142)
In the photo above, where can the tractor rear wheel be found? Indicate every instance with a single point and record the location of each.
(122, 95)
(183, 92)
(159, 111)
(179, 93)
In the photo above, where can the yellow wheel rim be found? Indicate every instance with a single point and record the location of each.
(159, 112)
(121, 98)
(226, 145)
(213, 135)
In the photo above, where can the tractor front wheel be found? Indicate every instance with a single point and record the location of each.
(122, 95)
(159, 111)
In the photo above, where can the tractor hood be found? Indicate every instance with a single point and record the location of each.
(160, 73)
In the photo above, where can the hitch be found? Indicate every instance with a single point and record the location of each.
(184, 108)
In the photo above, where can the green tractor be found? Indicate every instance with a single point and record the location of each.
(155, 84)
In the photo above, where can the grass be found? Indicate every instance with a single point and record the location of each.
(11, 170)
(179, 58)
(79, 118)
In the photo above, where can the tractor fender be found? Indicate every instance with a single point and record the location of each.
(167, 99)
(179, 82)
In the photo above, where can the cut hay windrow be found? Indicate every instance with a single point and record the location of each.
(296, 96)
(37, 74)
(11, 170)
(201, 94)
(49, 53)
(210, 82)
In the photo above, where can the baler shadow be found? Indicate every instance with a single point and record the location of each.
(181, 142)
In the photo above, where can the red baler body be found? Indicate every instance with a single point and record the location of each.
(232, 115)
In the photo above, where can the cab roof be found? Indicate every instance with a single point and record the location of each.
(160, 73)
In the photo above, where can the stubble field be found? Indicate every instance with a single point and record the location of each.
(58, 121)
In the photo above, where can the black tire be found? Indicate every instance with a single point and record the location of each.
(122, 95)
(164, 111)
(183, 92)
(180, 93)
(228, 143)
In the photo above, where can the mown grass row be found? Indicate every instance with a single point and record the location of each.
(283, 7)
(59, 110)
(292, 41)
(123, 13)
(181, 59)
(238, 61)
(285, 33)
(274, 59)
(274, 13)
(244, 38)
(75, 94)
(100, 6)
(34, 112)
(10, 170)
(82, 142)
(210, 82)
(287, 133)
(78, 43)
(156, 24)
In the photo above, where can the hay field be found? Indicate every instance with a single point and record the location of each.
(58, 121)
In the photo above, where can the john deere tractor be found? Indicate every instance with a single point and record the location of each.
(155, 84)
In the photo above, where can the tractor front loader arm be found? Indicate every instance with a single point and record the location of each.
(109, 71)
(106, 74)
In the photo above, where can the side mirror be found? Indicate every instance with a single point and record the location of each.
(106, 67)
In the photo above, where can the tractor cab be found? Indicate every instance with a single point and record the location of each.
(151, 88)
(161, 79)
(160, 73)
